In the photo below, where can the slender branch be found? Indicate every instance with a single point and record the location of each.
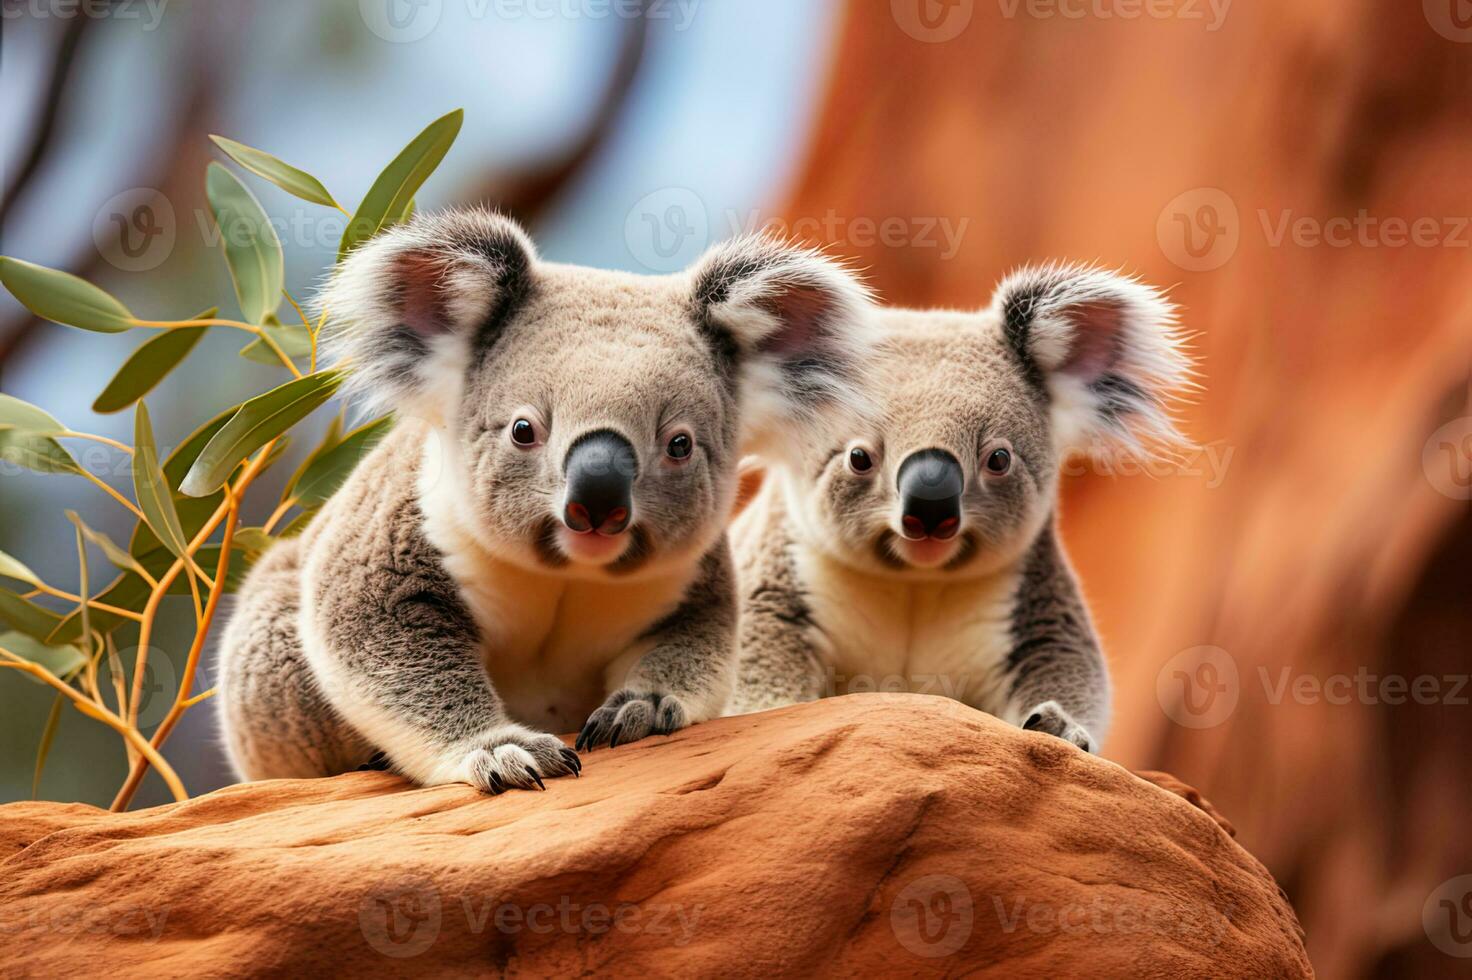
(120, 447)
(182, 700)
(111, 492)
(99, 606)
(92, 710)
(278, 513)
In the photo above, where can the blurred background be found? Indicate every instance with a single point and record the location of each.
(1287, 611)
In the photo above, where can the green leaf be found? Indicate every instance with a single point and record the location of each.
(48, 735)
(150, 363)
(293, 339)
(330, 438)
(392, 193)
(27, 417)
(115, 554)
(62, 660)
(327, 472)
(26, 441)
(63, 298)
(252, 250)
(252, 540)
(256, 423)
(26, 616)
(278, 172)
(11, 567)
(152, 489)
(179, 461)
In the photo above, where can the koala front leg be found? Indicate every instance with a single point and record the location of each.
(399, 657)
(686, 676)
(1057, 681)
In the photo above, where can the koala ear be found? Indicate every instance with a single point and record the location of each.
(1106, 347)
(406, 309)
(794, 327)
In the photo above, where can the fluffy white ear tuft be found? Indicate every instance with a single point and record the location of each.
(1107, 347)
(406, 308)
(798, 328)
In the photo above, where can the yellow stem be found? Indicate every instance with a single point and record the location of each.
(214, 322)
(202, 696)
(278, 513)
(100, 606)
(145, 631)
(107, 489)
(182, 702)
(120, 447)
(93, 710)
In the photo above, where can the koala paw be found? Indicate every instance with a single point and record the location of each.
(515, 758)
(628, 716)
(1050, 717)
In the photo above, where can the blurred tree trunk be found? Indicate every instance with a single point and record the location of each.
(1327, 547)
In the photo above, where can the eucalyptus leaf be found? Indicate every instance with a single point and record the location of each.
(327, 472)
(393, 192)
(48, 735)
(11, 567)
(115, 554)
(63, 298)
(25, 438)
(330, 438)
(26, 616)
(293, 338)
(290, 179)
(258, 421)
(150, 363)
(63, 660)
(152, 489)
(252, 250)
(252, 540)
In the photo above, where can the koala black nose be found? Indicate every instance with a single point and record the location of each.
(930, 484)
(600, 468)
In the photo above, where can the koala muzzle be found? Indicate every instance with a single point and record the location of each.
(930, 484)
(600, 469)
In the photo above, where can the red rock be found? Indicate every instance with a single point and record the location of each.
(889, 834)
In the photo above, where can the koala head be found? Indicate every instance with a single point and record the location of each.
(589, 421)
(974, 412)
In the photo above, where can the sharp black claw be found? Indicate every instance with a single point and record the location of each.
(532, 773)
(497, 787)
(613, 735)
(571, 760)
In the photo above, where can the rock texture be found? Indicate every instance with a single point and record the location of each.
(891, 834)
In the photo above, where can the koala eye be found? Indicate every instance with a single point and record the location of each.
(680, 446)
(523, 433)
(859, 460)
(998, 461)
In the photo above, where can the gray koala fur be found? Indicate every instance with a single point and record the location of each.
(439, 611)
(836, 597)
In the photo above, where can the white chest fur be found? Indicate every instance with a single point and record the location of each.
(554, 645)
(928, 637)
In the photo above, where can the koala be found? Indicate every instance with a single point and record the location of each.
(539, 544)
(921, 551)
